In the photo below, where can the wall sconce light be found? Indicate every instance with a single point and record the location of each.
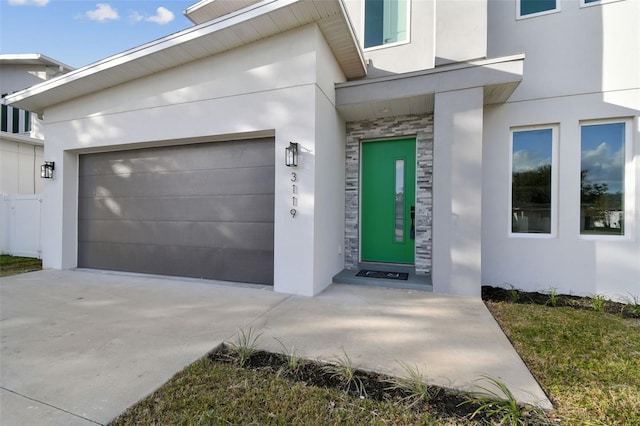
(46, 170)
(291, 155)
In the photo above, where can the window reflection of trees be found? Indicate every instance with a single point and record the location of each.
(601, 211)
(531, 200)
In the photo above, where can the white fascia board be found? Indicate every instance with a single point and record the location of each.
(32, 59)
(465, 75)
(40, 96)
(14, 137)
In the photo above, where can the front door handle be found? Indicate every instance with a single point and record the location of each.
(412, 233)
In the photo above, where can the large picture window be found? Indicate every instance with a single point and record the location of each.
(385, 22)
(602, 178)
(528, 8)
(533, 181)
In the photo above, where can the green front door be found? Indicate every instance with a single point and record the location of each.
(387, 201)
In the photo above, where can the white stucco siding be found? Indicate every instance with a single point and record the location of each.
(457, 200)
(329, 154)
(461, 30)
(569, 262)
(269, 87)
(577, 50)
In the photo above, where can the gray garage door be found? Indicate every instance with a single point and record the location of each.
(200, 210)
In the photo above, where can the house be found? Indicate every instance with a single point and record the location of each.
(284, 141)
(21, 153)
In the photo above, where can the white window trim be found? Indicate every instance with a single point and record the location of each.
(597, 3)
(533, 15)
(385, 46)
(629, 181)
(555, 132)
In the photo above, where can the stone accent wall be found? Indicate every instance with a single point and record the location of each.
(418, 126)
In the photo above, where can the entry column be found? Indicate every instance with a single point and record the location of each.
(457, 192)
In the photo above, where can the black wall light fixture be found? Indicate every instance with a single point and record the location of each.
(291, 155)
(46, 170)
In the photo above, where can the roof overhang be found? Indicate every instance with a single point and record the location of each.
(207, 10)
(19, 138)
(414, 93)
(254, 22)
(33, 59)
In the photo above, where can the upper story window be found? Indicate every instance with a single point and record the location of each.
(529, 8)
(604, 196)
(385, 22)
(585, 3)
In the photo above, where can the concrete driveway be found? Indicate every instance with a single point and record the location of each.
(79, 347)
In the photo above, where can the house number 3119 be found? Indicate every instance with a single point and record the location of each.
(294, 198)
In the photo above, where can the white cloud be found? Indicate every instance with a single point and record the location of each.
(526, 160)
(162, 16)
(604, 165)
(103, 12)
(28, 2)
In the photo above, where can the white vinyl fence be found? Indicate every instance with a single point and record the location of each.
(20, 224)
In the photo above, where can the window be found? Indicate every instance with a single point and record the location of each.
(533, 181)
(385, 22)
(27, 121)
(602, 178)
(529, 8)
(586, 3)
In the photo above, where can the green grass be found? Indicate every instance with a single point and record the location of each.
(588, 362)
(209, 393)
(13, 265)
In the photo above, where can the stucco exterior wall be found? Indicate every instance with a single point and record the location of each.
(457, 186)
(329, 173)
(440, 31)
(461, 30)
(266, 88)
(591, 73)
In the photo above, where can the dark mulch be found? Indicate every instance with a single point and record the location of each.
(498, 294)
(444, 403)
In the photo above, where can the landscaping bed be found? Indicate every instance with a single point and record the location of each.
(292, 390)
(598, 303)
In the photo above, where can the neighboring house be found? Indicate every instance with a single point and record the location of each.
(21, 153)
(475, 142)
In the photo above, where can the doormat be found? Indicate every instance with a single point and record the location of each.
(383, 274)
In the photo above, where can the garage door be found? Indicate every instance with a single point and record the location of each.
(200, 210)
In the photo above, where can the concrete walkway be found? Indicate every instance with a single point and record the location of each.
(79, 347)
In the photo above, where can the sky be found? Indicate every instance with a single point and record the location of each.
(603, 154)
(79, 32)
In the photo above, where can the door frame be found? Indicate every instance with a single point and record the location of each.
(360, 183)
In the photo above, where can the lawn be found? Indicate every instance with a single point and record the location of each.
(587, 361)
(12, 265)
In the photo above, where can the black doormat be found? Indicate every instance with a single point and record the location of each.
(382, 274)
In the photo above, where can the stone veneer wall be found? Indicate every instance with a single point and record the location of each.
(418, 126)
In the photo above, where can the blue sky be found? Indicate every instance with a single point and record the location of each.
(79, 32)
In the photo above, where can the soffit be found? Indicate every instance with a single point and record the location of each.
(414, 93)
(32, 59)
(256, 22)
(207, 10)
